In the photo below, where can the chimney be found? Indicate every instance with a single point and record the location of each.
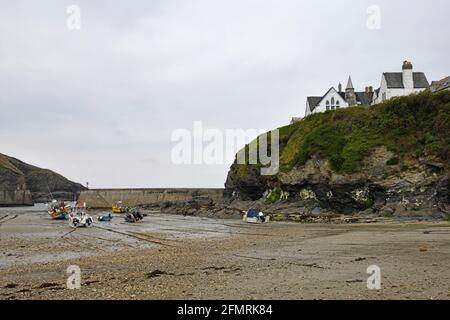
(408, 81)
(340, 87)
(367, 90)
(370, 89)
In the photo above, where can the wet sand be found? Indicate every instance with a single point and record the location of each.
(175, 257)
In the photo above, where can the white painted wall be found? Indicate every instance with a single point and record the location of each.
(388, 93)
(332, 94)
(308, 110)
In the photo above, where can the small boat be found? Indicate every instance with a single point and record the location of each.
(107, 218)
(79, 218)
(119, 207)
(134, 216)
(59, 210)
(255, 217)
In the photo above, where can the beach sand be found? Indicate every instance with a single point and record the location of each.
(176, 257)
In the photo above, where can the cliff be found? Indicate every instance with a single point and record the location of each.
(40, 184)
(390, 159)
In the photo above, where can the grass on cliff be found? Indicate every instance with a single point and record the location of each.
(5, 163)
(417, 125)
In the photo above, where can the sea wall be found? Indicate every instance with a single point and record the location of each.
(105, 198)
(15, 198)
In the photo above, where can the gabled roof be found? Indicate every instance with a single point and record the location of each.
(324, 96)
(394, 80)
(313, 102)
(365, 98)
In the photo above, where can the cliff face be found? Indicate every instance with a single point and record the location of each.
(393, 158)
(16, 176)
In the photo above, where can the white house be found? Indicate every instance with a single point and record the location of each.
(397, 84)
(393, 84)
(336, 99)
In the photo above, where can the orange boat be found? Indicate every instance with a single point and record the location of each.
(119, 207)
(59, 210)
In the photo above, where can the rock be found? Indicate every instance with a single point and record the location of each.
(390, 176)
(317, 211)
(17, 176)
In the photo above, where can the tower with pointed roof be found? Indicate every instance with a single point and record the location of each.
(350, 95)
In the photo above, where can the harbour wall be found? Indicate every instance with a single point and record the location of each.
(9, 198)
(105, 198)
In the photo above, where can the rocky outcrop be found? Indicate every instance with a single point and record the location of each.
(401, 173)
(24, 184)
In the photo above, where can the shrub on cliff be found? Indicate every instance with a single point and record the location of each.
(417, 125)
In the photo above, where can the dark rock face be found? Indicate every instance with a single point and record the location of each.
(378, 188)
(247, 186)
(43, 184)
(392, 159)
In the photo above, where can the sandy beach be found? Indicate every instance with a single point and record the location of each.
(176, 257)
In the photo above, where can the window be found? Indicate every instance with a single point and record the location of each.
(337, 104)
(333, 107)
(328, 105)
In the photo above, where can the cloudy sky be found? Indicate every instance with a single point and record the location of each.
(99, 104)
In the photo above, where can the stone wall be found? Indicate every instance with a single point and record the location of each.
(15, 198)
(105, 198)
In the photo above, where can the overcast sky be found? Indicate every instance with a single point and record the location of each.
(99, 104)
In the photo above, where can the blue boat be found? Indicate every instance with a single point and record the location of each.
(62, 216)
(107, 218)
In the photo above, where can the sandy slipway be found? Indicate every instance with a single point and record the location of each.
(176, 257)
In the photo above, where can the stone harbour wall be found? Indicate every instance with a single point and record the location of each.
(105, 198)
(15, 198)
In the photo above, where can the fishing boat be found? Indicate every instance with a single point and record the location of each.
(59, 210)
(119, 207)
(255, 217)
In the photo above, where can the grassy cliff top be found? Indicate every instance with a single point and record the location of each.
(413, 126)
(37, 179)
(6, 164)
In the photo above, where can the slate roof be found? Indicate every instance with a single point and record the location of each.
(394, 80)
(362, 97)
(313, 102)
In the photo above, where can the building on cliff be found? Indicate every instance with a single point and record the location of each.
(440, 85)
(393, 84)
(336, 99)
(398, 84)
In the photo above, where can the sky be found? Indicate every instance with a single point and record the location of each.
(99, 104)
